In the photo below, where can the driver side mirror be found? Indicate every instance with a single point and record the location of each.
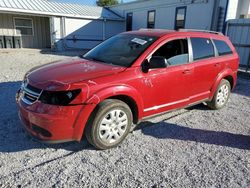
(154, 63)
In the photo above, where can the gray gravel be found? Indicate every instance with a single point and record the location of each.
(194, 147)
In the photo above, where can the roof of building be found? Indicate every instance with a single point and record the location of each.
(44, 7)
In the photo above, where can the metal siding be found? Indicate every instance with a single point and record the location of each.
(238, 31)
(165, 13)
(112, 28)
(87, 33)
(84, 33)
(41, 38)
(165, 19)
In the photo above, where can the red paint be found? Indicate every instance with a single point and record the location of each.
(154, 92)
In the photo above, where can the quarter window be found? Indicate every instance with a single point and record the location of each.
(222, 47)
(151, 19)
(23, 26)
(202, 48)
(175, 51)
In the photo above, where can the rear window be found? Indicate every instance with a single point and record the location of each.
(222, 47)
(202, 48)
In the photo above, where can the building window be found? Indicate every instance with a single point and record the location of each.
(23, 26)
(129, 21)
(202, 48)
(151, 19)
(180, 17)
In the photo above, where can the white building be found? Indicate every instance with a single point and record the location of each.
(174, 14)
(238, 9)
(44, 24)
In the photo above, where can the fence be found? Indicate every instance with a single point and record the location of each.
(238, 31)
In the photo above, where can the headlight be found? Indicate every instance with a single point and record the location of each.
(62, 98)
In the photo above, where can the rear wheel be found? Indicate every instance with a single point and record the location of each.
(109, 124)
(221, 95)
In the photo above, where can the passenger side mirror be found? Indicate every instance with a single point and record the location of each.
(145, 66)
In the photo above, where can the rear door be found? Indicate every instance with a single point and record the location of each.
(206, 68)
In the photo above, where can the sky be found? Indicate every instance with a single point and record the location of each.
(84, 2)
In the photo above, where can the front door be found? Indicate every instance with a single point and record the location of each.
(169, 87)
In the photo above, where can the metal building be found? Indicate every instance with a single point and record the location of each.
(44, 24)
(175, 14)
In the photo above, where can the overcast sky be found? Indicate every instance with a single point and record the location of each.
(84, 2)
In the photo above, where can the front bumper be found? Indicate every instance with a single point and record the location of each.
(50, 123)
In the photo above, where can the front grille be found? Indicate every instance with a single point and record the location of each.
(30, 94)
(30, 87)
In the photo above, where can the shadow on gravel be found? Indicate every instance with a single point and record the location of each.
(12, 136)
(163, 130)
(243, 86)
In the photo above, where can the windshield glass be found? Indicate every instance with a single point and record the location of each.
(121, 49)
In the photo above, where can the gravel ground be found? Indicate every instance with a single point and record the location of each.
(193, 147)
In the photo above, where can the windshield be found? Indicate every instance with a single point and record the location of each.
(120, 50)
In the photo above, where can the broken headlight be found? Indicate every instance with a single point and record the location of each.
(62, 98)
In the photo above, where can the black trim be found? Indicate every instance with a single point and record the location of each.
(176, 12)
(148, 23)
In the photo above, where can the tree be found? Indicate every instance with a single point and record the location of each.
(103, 3)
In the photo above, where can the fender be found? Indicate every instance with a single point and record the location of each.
(116, 90)
(98, 97)
(226, 72)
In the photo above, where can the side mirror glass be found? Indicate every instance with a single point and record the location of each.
(158, 62)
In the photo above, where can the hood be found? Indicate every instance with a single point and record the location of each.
(61, 74)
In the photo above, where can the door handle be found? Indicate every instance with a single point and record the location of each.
(186, 71)
(217, 64)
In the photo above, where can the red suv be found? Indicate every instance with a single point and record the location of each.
(123, 80)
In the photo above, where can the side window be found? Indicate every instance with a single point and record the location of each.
(175, 51)
(222, 47)
(202, 48)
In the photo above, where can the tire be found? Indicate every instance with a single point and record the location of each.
(109, 124)
(221, 95)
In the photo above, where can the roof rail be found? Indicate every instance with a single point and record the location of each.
(199, 30)
(149, 29)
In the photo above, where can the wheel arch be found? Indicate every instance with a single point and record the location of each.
(230, 79)
(126, 94)
(227, 75)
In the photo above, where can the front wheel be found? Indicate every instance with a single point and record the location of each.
(109, 124)
(221, 95)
